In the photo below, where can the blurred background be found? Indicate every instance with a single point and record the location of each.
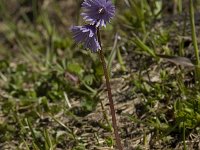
(51, 88)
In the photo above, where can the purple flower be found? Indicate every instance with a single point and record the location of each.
(87, 35)
(98, 12)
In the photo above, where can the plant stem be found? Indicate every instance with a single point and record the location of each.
(194, 40)
(106, 116)
(111, 104)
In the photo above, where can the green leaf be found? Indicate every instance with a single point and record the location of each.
(75, 68)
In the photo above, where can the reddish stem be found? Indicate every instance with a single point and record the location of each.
(111, 104)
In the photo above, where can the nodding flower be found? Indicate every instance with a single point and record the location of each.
(98, 13)
(87, 36)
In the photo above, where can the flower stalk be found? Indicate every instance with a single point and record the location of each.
(98, 13)
(111, 103)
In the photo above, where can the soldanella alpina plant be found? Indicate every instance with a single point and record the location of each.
(97, 13)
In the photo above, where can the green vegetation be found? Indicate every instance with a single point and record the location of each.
(51, 90)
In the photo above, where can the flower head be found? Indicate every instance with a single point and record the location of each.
(86, 35)
(98, 12)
